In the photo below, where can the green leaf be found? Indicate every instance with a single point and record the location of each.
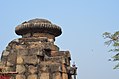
(116, 57)
(106, 35)
(116, 44)
(108, 42)
(117, 66)
(113, 40)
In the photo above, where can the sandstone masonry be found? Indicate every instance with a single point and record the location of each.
(35, 56)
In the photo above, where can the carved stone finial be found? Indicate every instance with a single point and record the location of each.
(38, 26)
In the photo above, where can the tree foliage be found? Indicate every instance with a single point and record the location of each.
(113, 40)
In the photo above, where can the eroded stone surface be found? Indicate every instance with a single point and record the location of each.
(20, 77)
(32, 59)
(44, 76)
(20, 60)
(5, 53)
(32, 69)
(35, 56)
(20, 69)
(32, 77)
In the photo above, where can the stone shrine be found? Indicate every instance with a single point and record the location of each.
(35, 56)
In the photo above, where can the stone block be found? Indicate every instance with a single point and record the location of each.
(22, 52)
(20, 69)
(19, 47)
(53, 53)
(20, 60)
(9, 64)
(64, 76)
(30, 60)
(44, 76)
(32, 69)
(5, 53)
(34, 51)
(12, 57)
(54, 48)
(57, 75)
(32, 77)
(20, 77)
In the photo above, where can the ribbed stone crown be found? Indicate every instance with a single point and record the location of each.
(38, 26)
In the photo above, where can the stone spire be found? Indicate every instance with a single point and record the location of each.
(35, 56)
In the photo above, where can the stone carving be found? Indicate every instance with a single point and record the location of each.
(35, 56)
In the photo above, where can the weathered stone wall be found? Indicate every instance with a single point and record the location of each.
(36, 58)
